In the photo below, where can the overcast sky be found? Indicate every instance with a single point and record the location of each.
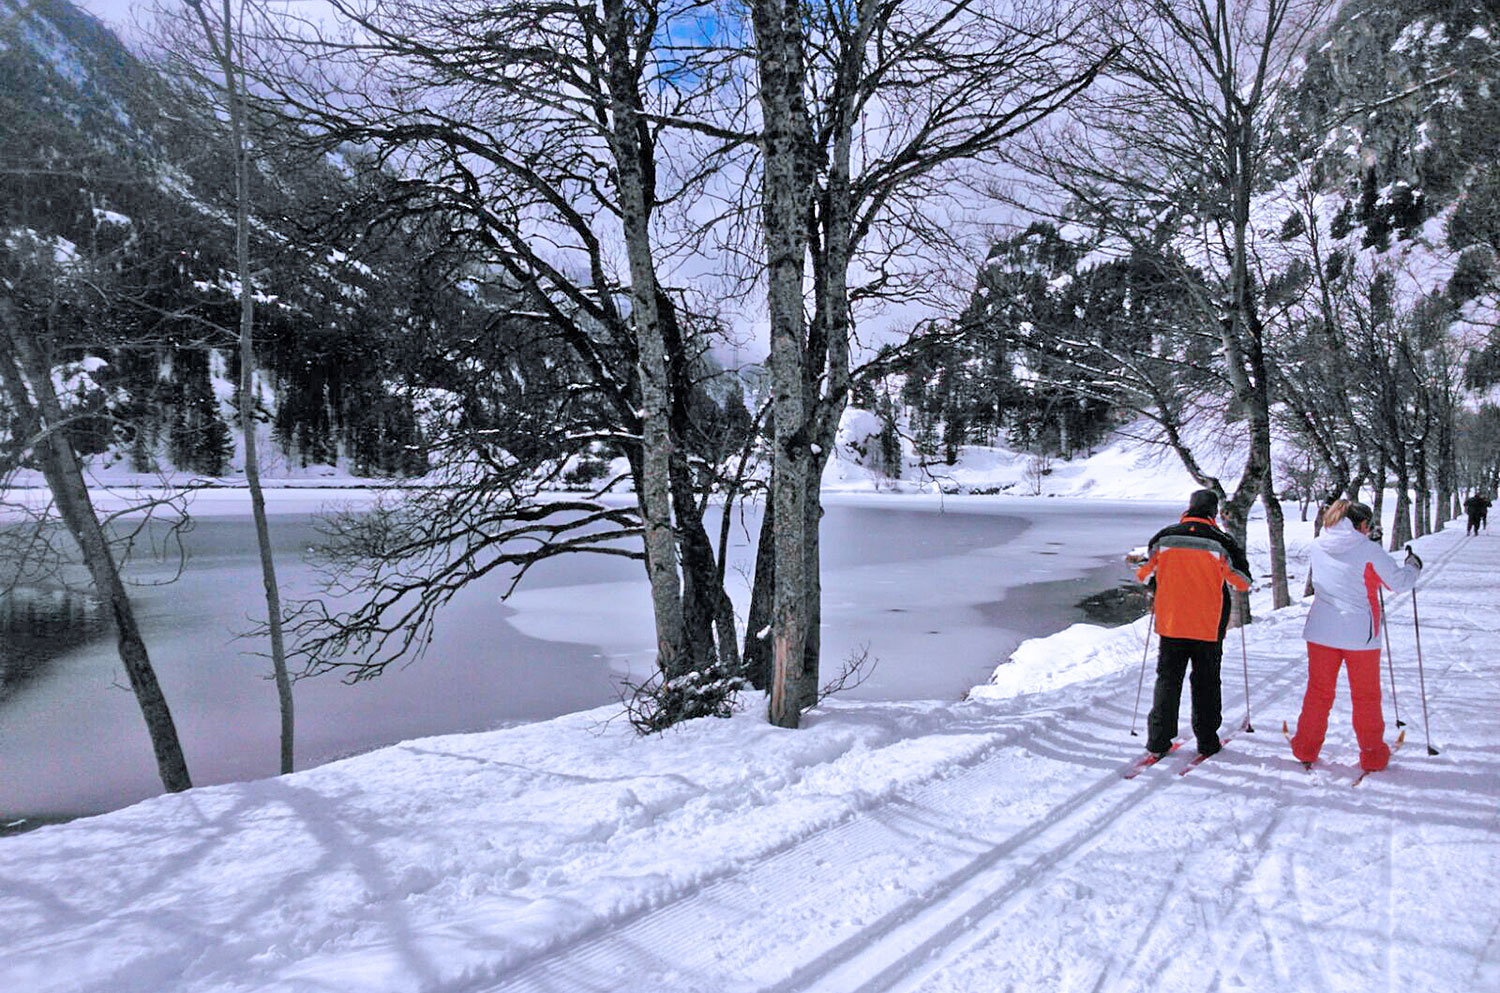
(115, 13)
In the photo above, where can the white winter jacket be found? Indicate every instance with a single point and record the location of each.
(1348, 570)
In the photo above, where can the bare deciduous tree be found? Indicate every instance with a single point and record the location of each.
(39, 422)
(221, 33)
(551, 141)
(1175, 143)
(874, 116)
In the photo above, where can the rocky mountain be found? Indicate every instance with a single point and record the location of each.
(1382, 183)
(1411, 90)
(116, 213)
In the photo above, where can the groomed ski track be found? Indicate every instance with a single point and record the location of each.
(1038, 868)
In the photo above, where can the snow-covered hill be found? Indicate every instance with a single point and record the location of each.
(1129, 464)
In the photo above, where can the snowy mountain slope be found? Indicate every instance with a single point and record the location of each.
(1379, 185)
(1131, 463)
(1391, 141)
(977, 846)
(125, 168)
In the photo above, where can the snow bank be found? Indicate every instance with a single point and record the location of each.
(1078, 654)
(1131, 465)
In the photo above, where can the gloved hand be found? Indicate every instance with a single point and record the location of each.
(1412, 558)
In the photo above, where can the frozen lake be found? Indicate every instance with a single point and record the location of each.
(937, 590)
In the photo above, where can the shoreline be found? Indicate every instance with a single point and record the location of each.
(1066, 600)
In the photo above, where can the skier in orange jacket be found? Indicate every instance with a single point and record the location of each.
(1192, 565)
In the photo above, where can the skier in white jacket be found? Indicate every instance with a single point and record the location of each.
(1343, 626)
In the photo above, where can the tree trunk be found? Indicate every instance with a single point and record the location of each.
(1259, 408)
(729, 649)
(1276, 529)
(1401, 527)
(1422, 505)
(1447, 466)
(789, 627)
(1361, 475)
(1379, 502)
(1236, 526)
(64, 476)
(701, 589)
(812, 646)
(1307, 587)
(225, 49)
(672, 657)
(827, 379)
(778, 58)
(704, 602)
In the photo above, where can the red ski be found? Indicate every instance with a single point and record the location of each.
(1198, 759)
(1148, 760)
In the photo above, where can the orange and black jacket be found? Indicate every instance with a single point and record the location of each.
(1192, 564)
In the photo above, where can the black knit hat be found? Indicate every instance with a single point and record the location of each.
(1203, 503)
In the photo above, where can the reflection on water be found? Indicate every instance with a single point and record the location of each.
(38, 625)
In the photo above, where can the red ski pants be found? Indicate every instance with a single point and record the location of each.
(1364, 691)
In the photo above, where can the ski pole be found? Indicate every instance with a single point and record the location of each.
(1245, 660)
(1150, 625)
(1421, 677)
(1390, 663)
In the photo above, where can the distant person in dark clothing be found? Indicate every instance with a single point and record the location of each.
(1477, 507)
(1192, 565)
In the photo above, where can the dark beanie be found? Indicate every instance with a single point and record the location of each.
(1203, 503)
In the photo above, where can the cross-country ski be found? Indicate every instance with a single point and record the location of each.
(1395, 747)
(1148, 760)
(1200, 758)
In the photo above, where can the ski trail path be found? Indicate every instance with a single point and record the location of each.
(1037, 867)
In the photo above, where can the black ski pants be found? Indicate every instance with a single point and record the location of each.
(1208, 704)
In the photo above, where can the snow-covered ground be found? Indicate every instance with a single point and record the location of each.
(982, 845)
(1130, 464)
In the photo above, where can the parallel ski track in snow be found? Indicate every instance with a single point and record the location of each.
(982, 871)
